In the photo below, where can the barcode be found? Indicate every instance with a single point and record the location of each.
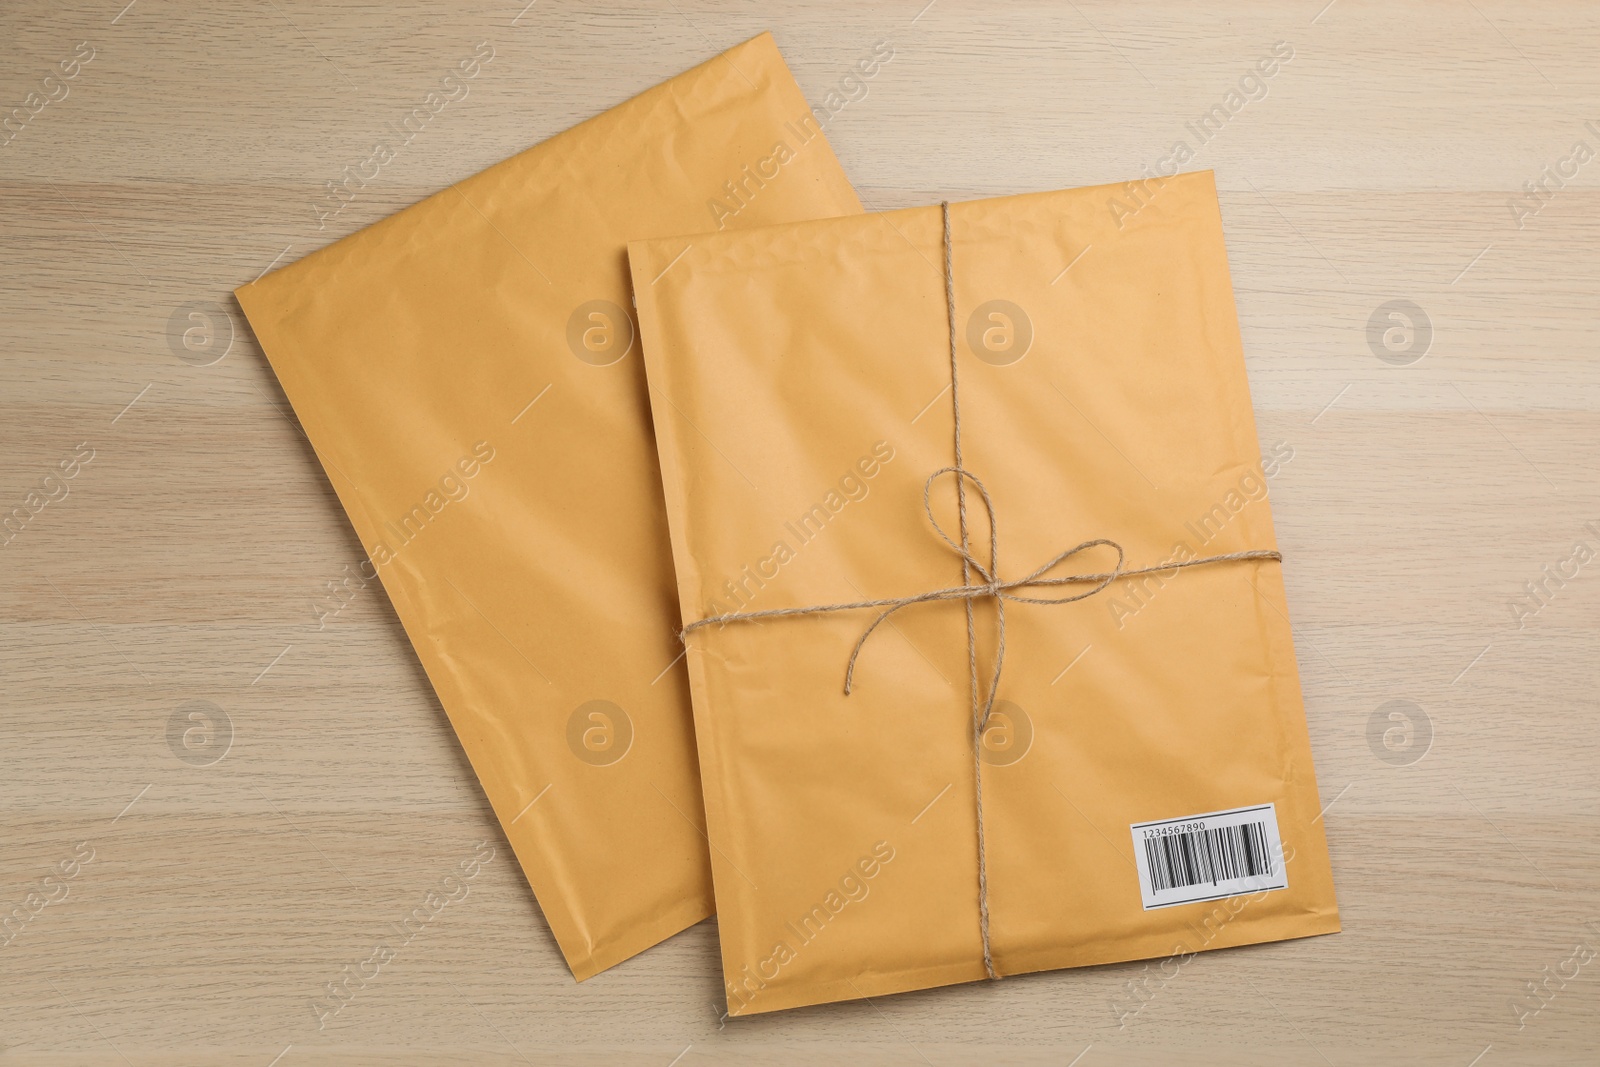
(1208, 856)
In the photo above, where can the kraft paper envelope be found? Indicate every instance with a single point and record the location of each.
(1147, 782)
(470, 379)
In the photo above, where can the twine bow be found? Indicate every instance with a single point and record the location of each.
(987, 587)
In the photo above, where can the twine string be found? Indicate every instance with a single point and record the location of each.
(988, 586)
(968, 564)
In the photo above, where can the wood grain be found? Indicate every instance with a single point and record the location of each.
(183, 563)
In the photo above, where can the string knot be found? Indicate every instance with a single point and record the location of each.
(991, 587)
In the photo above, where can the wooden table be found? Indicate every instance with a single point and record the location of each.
(1444, 455)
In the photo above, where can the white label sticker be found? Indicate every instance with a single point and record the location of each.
(1209, 857)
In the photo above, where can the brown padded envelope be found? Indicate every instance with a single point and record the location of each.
(542, 581)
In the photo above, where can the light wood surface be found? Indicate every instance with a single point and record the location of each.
(185, 559)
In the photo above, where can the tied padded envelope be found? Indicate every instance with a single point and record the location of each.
(469, 375)
(1147, 783)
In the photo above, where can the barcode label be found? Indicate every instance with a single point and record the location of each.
(1208, 857)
